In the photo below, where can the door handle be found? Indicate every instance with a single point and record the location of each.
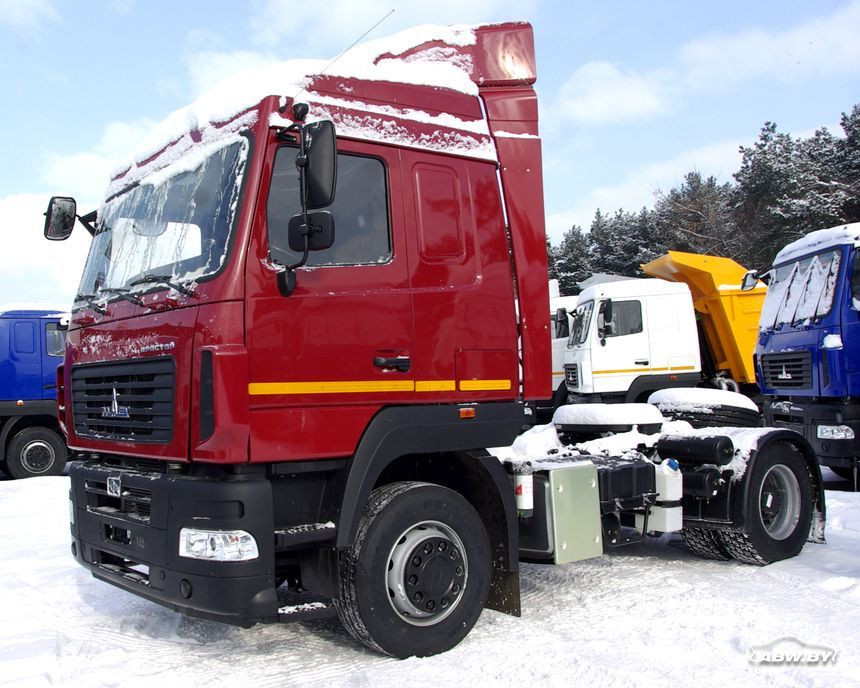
(641, 361)
(50, 386)
(399, 363)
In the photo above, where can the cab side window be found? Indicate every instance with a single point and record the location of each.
(55, 340)
(855, 282)
(626, 318)
(361, 226)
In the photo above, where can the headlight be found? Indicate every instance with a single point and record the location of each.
(834, 432)
(217, 545)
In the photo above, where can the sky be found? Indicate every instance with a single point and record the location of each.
(632, 94)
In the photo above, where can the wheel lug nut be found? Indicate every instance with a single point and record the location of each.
(454, 554)
(417, 597)
(431, 605)
(428, 548)
(416, 561)
(455, 588)
(443, 546)
(412, 580)
(458, 571)
(445, 602)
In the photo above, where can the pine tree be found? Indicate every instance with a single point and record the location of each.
(572, 261)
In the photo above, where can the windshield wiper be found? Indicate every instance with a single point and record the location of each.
(162, 279)
(90, 300)
(122, 293)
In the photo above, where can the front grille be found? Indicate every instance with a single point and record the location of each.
(131, 401)
(792, 370)
(571, 375)
(133, 503)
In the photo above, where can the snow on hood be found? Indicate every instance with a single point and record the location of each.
(699, 399)
(819, 240)
(443, 65)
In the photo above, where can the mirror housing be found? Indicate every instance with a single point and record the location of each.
(319, 233)
(606, 311)
(750, 280)
(320, 163)
(60, 218)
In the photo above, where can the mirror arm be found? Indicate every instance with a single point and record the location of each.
(288, 282)
(85, 222)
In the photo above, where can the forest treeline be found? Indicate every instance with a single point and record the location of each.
(786, 187)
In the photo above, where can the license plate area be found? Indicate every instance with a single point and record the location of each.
(117, 534)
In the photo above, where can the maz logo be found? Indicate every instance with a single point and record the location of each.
(115, 410)
(784, 375)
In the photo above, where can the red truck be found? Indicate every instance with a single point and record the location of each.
(291, 349)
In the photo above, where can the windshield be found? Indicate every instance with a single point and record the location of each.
(801, 291)
(175, 223)
(581, 322)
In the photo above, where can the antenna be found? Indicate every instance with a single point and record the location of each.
(344, 52)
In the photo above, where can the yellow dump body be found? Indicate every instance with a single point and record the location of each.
(729, 316)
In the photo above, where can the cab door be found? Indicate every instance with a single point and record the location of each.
(623, 353)
(53, 348)
(325, 358)
(25, 357)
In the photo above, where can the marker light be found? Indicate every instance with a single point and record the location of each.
(834, 432)
(217, 545)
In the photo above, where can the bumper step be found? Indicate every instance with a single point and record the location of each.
(305, 534)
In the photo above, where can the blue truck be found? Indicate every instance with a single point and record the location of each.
(32, 344)
(808, 350)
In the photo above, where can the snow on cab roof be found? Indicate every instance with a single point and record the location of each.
(633, 287)
(819, 240)
(438, 57)
(32, 310)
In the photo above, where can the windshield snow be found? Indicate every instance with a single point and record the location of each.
(581, 321)
(801, 291)
(177, 223)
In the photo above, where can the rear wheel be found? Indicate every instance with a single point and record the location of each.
(35, 451)
(778, 508)
(416, 578)
(706, 543)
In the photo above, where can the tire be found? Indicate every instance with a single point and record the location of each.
(718, 417)
(706, 543)
(35, 451)
(778, 509)
(400, 523)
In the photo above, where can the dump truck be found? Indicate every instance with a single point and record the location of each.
(691, 326)
(313, 301)
(32, 345)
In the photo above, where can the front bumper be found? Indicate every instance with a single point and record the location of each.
(804, 416)
(132, 541)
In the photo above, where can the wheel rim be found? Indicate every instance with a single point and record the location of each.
(427, 573)
(37, 456)
(779, 502)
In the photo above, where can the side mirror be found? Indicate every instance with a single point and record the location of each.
(321, 161)
(60, 218)
(562, 328)
(750, 280)
(606, 310)
(319, 232)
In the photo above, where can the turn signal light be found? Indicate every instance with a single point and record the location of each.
(466, 413)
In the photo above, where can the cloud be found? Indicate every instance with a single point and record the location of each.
(303, 27)
(823, 47)
(86, 174)
(601, 93)
(27, 14)
(720, 159)
(32, 268)
(207, 68)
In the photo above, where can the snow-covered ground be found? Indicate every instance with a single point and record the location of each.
(649, 615)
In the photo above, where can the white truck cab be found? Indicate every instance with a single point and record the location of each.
(630, 338)
(561, 318)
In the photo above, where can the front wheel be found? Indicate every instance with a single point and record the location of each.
(778, 508)
(35, 451)
(416, 578)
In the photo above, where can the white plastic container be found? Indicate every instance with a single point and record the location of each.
(670, 489)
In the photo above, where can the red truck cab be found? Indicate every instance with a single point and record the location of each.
(246, 421)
